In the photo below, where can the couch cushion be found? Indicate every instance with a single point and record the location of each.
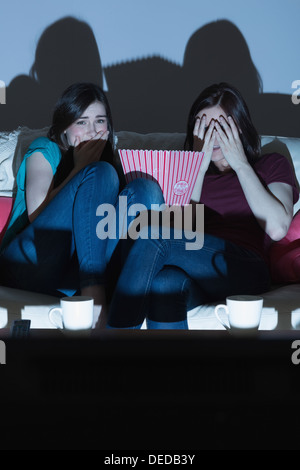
(151, 141)
(17, 304)
(8, 143)
(281, 311)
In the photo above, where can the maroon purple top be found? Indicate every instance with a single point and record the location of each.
(227, 213)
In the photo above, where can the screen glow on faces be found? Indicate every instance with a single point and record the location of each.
(92, 122)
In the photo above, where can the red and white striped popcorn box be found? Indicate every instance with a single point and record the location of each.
(175, 170)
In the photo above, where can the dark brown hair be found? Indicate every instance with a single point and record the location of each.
(234, 105)
(73, 102)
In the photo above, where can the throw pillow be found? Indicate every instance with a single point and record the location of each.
(6, 205)
(13, 146)
(8, 143)
(285, 255)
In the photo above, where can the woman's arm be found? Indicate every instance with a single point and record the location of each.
(39, 180)
(203, 142)
(39, 184)
(272, 206)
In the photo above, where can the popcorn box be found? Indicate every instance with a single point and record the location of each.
(175, 170)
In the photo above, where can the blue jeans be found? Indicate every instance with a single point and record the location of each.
(161, 280)
(60, 252)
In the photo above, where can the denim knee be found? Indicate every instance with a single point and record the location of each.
(170, 279)
(168, 298)
(106, 172)
(145, 192)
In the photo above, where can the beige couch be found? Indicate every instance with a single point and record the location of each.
(281, 305)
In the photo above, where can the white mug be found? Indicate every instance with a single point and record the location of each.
(74, 313)
(243, 312)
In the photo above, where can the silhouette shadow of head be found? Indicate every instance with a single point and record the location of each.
(66, 53)
(148, 87)
(218, 52)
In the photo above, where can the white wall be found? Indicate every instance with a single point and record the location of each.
(148, 55)
(129, 29)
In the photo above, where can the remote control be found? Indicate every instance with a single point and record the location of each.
(20, 328)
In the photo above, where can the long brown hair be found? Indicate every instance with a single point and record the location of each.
(73, 102)
(233, 104)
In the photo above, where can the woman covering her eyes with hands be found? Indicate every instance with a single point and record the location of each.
(248, 203)
(51, 245)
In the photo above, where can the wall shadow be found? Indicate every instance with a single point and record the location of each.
(150, 94)
(218, 52)
(146, 95)
(66, 52)
(155, 95)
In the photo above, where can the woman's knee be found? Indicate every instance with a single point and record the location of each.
(106, 172)
(144, 191)
(170, 279)
(168, 298)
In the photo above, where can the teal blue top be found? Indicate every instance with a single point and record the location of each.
(19, 218)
